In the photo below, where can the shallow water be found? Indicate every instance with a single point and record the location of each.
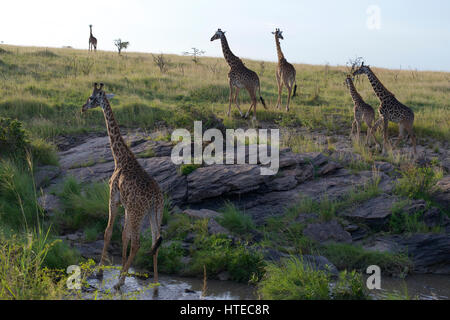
(172, 288)
(426, 287)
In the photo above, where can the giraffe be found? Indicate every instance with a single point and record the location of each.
(390, 110)
(92, 41)
(285, 72)
(239, 77)
(361, 111)
(131, 187)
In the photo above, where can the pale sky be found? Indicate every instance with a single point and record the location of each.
(411, 34)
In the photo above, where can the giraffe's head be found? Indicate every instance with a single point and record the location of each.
(97, 98)
(349, 80)
(361, 70)
(218, 35)
(278, 34)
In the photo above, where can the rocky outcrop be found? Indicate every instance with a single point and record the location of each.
(326, 232)
(442, 195)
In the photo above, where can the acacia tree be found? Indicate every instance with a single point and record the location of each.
(195, 54)
(121, 45)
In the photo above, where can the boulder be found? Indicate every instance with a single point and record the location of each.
(45, 174)
(374, 213)
(50, 203)
(326, 232)
(202, 213)
(442, 195)
(216, 180)
(215, 228)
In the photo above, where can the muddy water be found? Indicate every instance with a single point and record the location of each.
(427, 287)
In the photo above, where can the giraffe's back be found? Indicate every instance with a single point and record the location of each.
(138, 190)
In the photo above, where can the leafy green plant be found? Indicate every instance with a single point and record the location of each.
(234, 220)
(418, 182)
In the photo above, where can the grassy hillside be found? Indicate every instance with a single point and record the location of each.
(45, 88)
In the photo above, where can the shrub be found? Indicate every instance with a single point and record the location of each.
(13, 138)
(22, 276)
(235, 221)
(351, 257)
(187, 169)
(294, 280)
(218, 254)
(417, 182)
(169, 256)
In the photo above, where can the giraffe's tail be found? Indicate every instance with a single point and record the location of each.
(261, 98)
(295, 91)
(156, 246)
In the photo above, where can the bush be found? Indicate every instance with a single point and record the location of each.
(293, 280)
(18, 201)
(13, 138)
(169, 256)
(351, 257)
(22, 276)
(235, 221)
(218, 254)
(418, 183)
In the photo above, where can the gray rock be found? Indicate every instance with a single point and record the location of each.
(216, 180)
(50, 203)
(202, 213)
(375, 212)
(326, 232)
(442, 195)
(215, 228)
(319, 263)
(45, 175)
(430, 253)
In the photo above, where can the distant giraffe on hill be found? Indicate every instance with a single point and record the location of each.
(390, 110)
(361, 111)
(240, 77)
(285, 72)
(92, 41)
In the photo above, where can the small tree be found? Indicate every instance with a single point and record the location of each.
(195, 54)
(121, 45)
(161, 62)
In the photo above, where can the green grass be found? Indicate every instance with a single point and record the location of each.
(235, 221)
(292, 279)
(45, 88)
(352, 257)
(418, 182)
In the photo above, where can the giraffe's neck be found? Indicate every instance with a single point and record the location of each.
(355, 95)
(120, 150)
(279, 52)
(380, 90)
(229, 56)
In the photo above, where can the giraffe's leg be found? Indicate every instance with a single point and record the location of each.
(280, 91)
(401, 134)
(374, 130)
(385, 135)
(114, 197)
(409, 129)
(253, 104)
(135, 244)
(125, 239)
(236, 100)
(353, 128)
(155, 225)
(358, 129)
(231, 99)
(289, 97)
